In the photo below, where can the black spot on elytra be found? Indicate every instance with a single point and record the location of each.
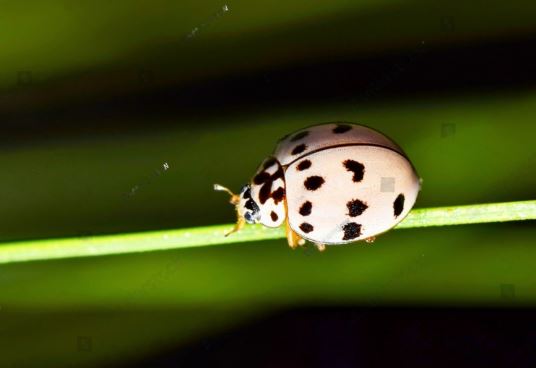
(274, 216)
(299, 149)
(306, 228)
(304, 165)
(398, 204)
(341, 128)
(351, 231)
(313, 182)
(278, 195)
(299, 136)
(269, 163)
(305, 209)
(247, 193)
(261, 178)
(356, 207)
(357, 168)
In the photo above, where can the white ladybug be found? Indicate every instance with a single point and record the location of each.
(330, 184)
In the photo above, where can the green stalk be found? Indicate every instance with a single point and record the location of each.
(214, 235)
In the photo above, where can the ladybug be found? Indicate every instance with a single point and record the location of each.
(330, 184)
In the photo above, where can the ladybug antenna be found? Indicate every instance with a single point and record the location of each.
(235, 198)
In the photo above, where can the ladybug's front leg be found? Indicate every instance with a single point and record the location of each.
(240, 222)
(294, 240)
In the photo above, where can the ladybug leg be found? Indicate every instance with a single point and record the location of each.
(320, 247)
(294, 240)
(238, 226)
(370, 240)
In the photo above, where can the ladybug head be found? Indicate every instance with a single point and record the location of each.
(247, 207)
(247, 210)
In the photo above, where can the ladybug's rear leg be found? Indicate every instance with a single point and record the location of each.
(321, 247)
(294, 240)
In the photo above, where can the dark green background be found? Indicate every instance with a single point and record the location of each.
(81, 105)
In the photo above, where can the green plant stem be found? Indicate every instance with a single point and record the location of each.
(214, 235)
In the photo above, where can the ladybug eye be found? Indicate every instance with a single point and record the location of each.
(248, 218)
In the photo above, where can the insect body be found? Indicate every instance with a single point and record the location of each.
(330, 184)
